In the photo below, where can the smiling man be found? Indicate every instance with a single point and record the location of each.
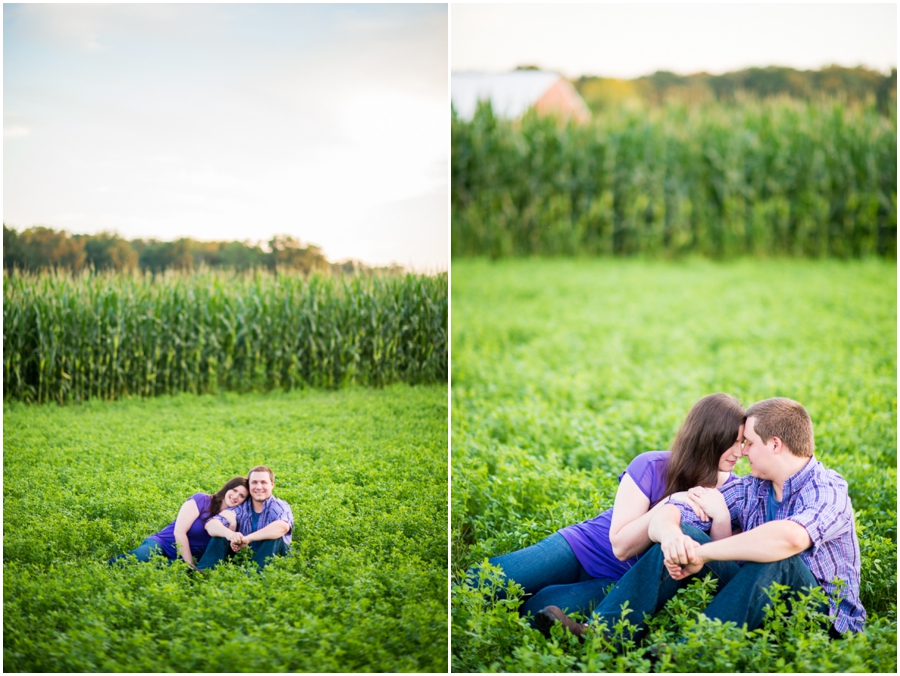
(794, 525)
(264, 523)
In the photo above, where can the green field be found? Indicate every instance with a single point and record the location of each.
(365, 588)
(564, 370)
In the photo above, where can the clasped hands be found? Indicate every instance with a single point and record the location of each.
(238, 541)
(682, 557)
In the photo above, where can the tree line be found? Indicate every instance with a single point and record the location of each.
(852, 85)
(40, 247)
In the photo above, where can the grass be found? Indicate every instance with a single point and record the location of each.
(564, 370)
(365, 588)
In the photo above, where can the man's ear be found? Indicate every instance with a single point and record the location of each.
(777, 445)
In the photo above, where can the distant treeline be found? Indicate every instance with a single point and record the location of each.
(774, 177)
(847, 84)
(40, 247)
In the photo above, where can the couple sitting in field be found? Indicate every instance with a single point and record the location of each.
(684, 512)
(214, 527)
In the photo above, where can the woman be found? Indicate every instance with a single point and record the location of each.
(188, 530)
(573, 568)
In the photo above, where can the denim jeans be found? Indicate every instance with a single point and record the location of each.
(219, 549)
(740, 598)
(551, 575)
(145, 550)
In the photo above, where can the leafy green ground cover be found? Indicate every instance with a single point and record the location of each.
(365, 589)
(564, 370)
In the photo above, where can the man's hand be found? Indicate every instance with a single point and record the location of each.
(237, 540)
(682, 557)
(678, 549)
(678, 572)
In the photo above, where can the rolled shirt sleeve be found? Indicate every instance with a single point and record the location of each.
(736, 494)
(824, 513)
(281, 511)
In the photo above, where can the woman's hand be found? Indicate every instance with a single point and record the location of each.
(711, 501)
(693, 503)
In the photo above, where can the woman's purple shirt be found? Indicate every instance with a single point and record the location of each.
(198, 538)
(590, 539)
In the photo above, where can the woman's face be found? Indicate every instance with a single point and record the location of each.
(733, 454)
(234, 497)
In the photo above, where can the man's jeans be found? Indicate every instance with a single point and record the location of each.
(741, 596)
(220, 548)
(550, 573)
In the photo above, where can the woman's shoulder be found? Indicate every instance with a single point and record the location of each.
(648, 458)
(201, 498)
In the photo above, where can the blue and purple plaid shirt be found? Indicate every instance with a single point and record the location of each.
(273, 510)
(817, 499)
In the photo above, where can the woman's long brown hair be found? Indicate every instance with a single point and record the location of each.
(709, 430)
(217, 498)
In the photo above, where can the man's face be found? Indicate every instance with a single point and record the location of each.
(260, 486)
(758, 453)
(733, 454)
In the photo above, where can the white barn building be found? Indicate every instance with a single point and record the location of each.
(513, 93)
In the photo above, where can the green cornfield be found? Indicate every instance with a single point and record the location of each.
(69, 338)
(775, 177)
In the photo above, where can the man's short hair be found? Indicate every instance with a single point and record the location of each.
(786, 419)
(262, 468)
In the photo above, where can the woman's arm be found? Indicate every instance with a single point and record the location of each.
(188, 513)
(631, 518)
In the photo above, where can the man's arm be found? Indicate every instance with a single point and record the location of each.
(273, 531)
(772, 541)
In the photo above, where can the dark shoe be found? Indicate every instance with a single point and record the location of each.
(550, 615)
(655, 652)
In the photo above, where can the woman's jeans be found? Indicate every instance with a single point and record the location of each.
(740, 596)
(551, 575)
(147, 549)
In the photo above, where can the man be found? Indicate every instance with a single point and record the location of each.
(796, 528)
(263, 523)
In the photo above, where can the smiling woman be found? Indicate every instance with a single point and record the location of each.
(187, 535)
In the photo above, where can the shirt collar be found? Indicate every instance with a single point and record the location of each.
(792, 485)
(796, 481)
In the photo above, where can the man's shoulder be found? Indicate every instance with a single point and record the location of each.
(820, 477)
(278, 503)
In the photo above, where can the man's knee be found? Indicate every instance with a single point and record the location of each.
(216, 552)
(695, 533)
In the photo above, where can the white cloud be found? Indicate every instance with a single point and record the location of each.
(226, 121)
(15, 132)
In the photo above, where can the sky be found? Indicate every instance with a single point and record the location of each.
(628, 41)
(330, 123)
